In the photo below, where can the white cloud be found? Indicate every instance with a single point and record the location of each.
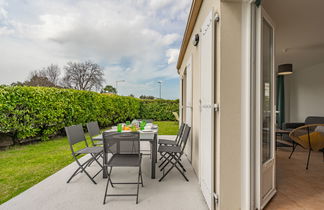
(3, 14)
(172, 55)
(133, 40)
(5, 31)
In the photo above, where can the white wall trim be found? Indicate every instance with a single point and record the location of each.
(245, 108)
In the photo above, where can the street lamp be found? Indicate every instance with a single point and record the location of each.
(160, 83)
(118, 81)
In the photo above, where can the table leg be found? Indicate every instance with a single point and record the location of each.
(104, 170)
(154, 156)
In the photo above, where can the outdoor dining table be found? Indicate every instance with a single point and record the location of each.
(149, 134)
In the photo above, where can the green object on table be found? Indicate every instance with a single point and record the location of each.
(128, 122)
(119, 127)
(142, 125)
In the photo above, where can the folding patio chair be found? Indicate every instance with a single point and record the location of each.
(126, 154)
(171, 142)
(75, 135)
(176, 140)
(94, 132)
(175, 153)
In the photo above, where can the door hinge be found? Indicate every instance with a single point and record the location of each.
(216, 107)
(216, 198)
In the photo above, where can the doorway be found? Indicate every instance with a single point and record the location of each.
(298, 40)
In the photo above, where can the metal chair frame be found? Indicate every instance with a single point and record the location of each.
(175, 142)
(108, 141)
(94, 130)
(75, 135)
(175, 154)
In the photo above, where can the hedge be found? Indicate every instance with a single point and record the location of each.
(41, 112)
(158, 109)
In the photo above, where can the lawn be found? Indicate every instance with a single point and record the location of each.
(21, 167)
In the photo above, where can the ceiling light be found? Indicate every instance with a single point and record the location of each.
(285, 69)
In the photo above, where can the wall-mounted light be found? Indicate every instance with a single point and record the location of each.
(195, 40)
(285, 69)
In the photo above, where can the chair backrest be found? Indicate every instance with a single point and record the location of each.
(309, 136)
(122, 143)
(314, 120)
(184, 137)
(75, 134)
(179, 134)
(93, 128)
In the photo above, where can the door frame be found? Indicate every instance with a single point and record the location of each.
(259, 201)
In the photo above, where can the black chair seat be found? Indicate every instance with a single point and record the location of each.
(88, 150)
(170, 149)
(167, 142)
(122, 160)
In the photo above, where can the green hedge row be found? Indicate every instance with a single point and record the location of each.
(31, 112)
(159, 109)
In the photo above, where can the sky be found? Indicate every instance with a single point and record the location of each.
(133, 40)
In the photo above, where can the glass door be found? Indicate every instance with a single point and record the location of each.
(265, 130)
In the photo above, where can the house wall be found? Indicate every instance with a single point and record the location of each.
(193, 51)
(305, 93)
(228, 95)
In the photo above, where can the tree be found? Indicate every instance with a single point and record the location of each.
(39, 81)
(18, 83)
(48, 77)
(83, 76)
(52, 73)
(146, 97)
(109, 89)
(131, 95)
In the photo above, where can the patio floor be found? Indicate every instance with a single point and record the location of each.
(173, 193)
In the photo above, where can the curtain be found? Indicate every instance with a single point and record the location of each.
(280, 100)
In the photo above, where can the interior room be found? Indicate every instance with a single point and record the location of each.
(299, 42)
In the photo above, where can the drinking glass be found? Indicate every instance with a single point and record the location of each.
(119, 127)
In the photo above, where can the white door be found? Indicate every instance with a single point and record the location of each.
(207, 109)
(265, 113)
(188, 107)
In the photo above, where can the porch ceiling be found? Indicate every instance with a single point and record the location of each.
(299, 31)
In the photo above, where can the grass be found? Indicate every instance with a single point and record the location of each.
(21, 167)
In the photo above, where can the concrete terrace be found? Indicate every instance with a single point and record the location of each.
(173, 193)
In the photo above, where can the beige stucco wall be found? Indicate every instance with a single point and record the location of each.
(228, 89)
(230, 105)
(195, 53)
